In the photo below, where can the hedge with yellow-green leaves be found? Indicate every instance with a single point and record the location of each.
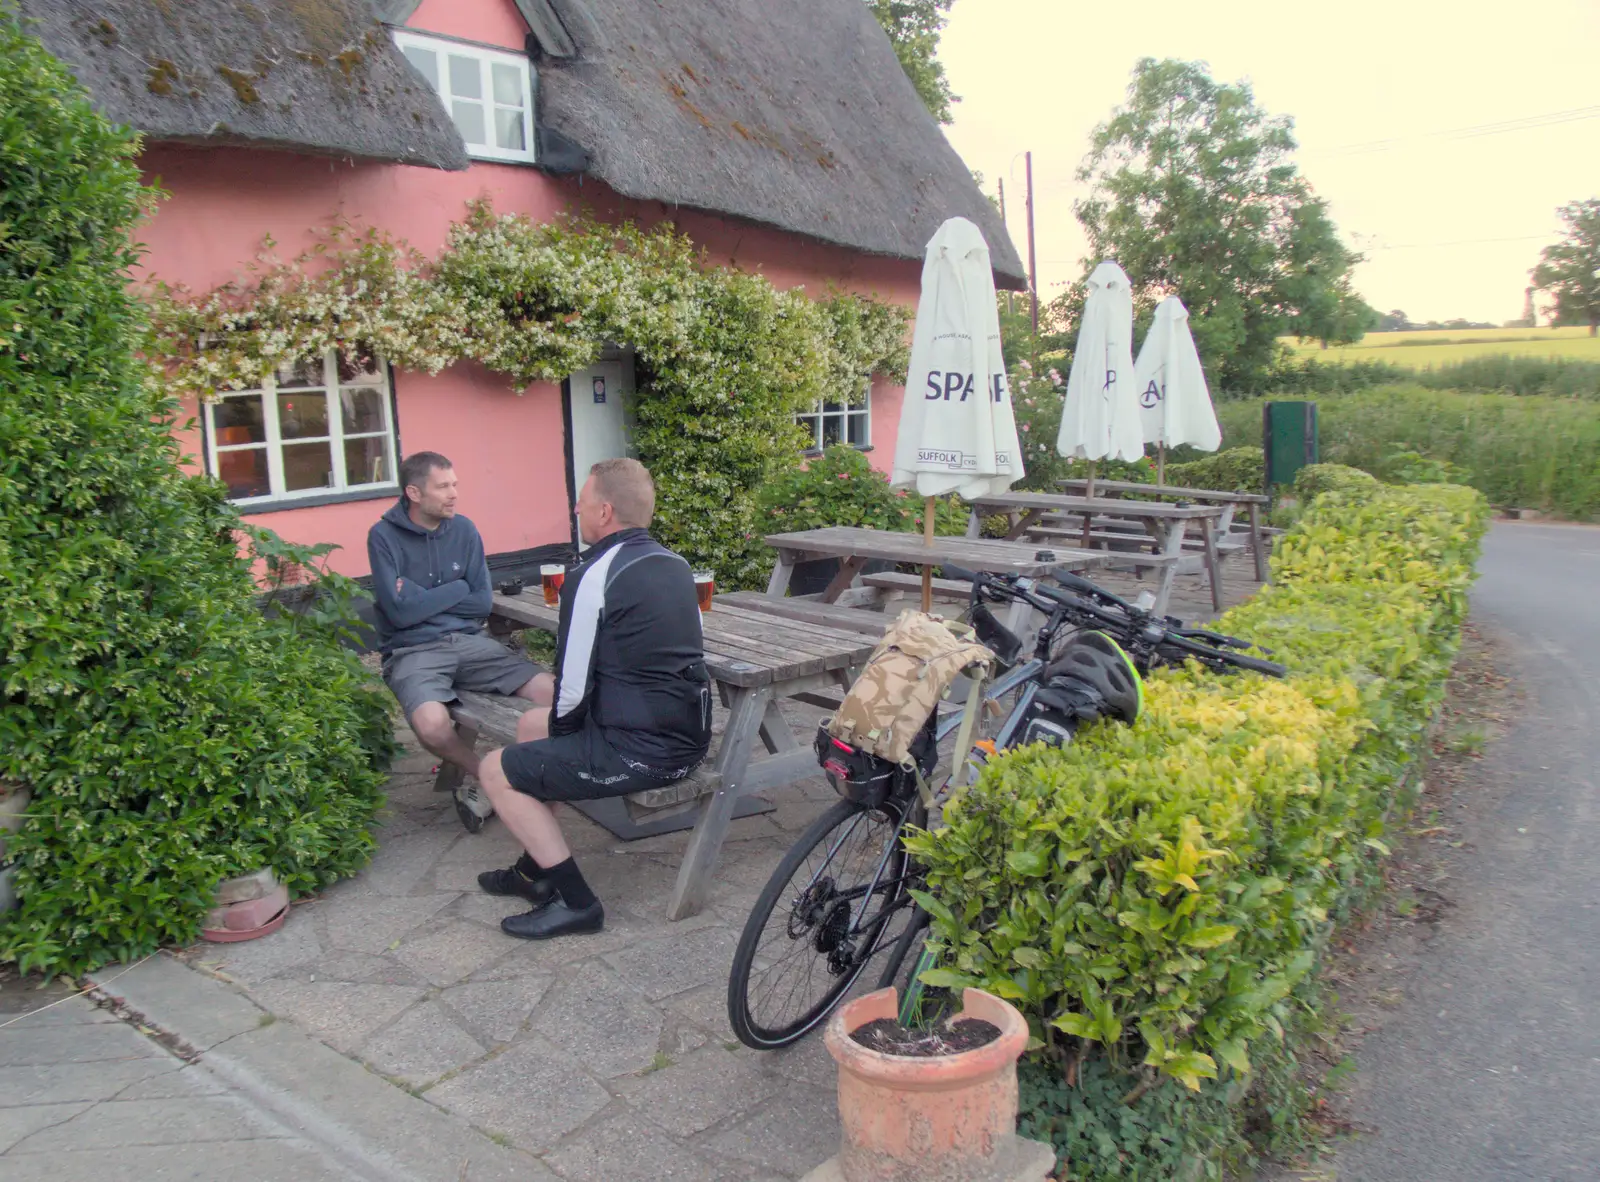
(1152, 894)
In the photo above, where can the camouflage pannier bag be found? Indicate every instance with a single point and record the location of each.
(902, 684)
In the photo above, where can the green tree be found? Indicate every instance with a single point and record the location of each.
(914, 27)
(171, 734)
(1569, 271)
(1193, 192)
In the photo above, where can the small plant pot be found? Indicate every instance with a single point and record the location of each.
(940, 1118)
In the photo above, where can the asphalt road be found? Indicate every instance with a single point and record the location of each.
(1491, 1068)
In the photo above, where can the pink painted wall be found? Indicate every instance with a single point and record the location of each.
(508, 448)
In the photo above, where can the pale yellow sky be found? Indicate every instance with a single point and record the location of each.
(1451, 220)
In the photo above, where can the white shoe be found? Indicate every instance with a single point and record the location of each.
(472, 805)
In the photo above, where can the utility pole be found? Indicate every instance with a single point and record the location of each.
(1033, 271)
(1002, 182)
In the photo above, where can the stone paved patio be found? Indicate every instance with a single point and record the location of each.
(609, 1056)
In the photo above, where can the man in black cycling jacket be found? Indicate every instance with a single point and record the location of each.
(631, 700)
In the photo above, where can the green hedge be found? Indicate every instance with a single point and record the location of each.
(1238, 469)
(1526, 451)
(840, 487)
(1315, 479)
(1152, 896)
(171, 733)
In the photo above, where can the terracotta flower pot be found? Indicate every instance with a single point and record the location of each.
(944, 1118)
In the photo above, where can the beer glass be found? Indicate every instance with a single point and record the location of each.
(552, 577)
(705, 586)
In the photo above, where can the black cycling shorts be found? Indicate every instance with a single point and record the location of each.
(579, 766)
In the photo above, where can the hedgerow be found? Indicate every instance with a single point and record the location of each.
(172, 735)
(1154, 897)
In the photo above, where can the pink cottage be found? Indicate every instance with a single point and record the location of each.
(782, 137)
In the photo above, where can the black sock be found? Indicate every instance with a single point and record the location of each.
(568, 880)
(528, 868)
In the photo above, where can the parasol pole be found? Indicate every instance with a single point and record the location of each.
(1161, 463)
(927, 540)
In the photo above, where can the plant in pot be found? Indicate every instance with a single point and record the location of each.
(933, 1103)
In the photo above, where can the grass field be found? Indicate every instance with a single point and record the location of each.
(1425, 350)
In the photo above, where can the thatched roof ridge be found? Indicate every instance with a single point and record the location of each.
(317, 75)
(792, 114)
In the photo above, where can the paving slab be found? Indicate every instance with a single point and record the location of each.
(452, 950)
(339, 1013)
(62, 1083)
(629, 1148)
(496, 1010)
(256, 1160)
(23, 1046)
(20, 1122)
(294, 944)
(423, 1044)
(359, 922)
(180, 1121)
(660, 968)
(599, 1020)
(705, 1088)
(798, 1127)
(533, 1093)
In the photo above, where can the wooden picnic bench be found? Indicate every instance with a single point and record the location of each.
(1165, 525)
(855, 546)
(755, 659)
(1252, 503)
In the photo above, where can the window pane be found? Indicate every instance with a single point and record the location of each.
(366, 461)
(469, 119)
(859, 434)
(302, 415)
(299, 374)
(508, 130)
(466, 77)
(426, 61)
(363, 409)
(507, 84)
(832, 407)
(238, 420)
(359, 371)
(244, 472)
(832, 430)
(305, 465)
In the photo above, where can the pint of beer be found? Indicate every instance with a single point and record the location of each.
(705, 586)
(552, 577)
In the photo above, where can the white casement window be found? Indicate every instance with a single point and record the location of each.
(488, 92)
(313, 428)
(839, 422)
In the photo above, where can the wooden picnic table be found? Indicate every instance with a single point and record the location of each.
(755, 659)
(1251, 502)
(1166, 525)
(855, 546)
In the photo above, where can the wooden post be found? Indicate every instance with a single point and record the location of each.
(1088, 514)
(927, 540)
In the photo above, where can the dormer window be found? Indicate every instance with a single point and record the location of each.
(488, 92)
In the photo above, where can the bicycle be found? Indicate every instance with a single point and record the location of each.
(843, 890)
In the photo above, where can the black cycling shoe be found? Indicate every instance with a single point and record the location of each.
(555, 919)
(510, 881)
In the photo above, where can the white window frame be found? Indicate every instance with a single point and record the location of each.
(335, 439)
(486, 59)
(842, 411)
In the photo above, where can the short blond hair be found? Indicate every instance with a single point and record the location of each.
(626, 486)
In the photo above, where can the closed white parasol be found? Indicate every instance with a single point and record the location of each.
(1174, 403)
(957, 431)
(1100, 416)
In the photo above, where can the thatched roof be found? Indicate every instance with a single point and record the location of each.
(795, 114)
(317, 75)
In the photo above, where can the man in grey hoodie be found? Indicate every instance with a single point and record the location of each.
(431, 583)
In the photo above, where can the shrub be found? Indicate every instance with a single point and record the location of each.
(172, 734)
(1154, 896)
(1528, 451)
(1508, 373)
(840, 487)
(1315, 479)
(1238, 469)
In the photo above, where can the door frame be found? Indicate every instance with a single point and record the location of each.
(567, 460)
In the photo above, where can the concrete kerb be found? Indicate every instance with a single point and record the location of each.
(375, 1129)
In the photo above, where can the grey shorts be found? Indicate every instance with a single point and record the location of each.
(433, 672)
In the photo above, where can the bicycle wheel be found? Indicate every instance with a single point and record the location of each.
(826, 909)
